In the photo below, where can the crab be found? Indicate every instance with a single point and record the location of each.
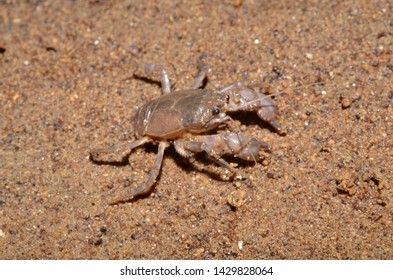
(186, 119)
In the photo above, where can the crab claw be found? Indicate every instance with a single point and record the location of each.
(247, 99)
(268, 112)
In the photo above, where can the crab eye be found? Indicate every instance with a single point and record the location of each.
(216, 111)
(227, 97)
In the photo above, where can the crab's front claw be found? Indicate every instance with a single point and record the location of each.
(268, 114)
(237, 144)
(266, 107)
(253, 150)
(247, 99)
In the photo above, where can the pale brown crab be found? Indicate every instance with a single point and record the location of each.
(183, 118)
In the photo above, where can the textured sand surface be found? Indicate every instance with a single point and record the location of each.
(67, 83)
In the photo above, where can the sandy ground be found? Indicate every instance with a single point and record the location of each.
(67, 83)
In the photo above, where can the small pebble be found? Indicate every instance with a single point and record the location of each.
(240, 245)
(237, 198)
(346, 102)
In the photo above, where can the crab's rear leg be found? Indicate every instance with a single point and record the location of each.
(127, 193)
(203, 69)
(165, 83)
(239, 145)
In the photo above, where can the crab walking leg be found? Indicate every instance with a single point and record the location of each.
(145, 188)
(239, 145)
(97, 154)
(203, 68)
(165, 83)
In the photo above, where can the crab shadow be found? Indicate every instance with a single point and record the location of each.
(147, 80)
(210, 167)
(251, 119)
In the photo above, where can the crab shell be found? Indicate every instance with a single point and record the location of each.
(172, 115)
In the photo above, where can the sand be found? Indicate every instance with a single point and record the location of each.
(68, 83)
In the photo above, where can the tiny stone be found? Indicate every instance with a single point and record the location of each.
(346, 103)
(98, 242)
(103, 230)
(240, 245)
(237, 198)
(199, 251)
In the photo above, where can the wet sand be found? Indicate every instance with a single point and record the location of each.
(68, 83)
